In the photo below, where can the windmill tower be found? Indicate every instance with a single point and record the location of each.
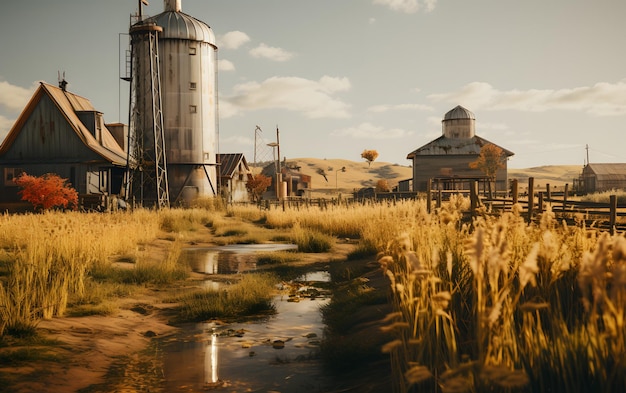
(174, 88)
(147, 181)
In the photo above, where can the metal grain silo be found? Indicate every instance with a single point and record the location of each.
(187, 56)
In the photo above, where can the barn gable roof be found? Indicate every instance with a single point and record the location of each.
(69, 105)
(443, 146)
(607, 171)
(229, 163)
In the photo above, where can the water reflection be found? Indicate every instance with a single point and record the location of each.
(278, 353)
(210, 361)
(230, 259)
(246, 356)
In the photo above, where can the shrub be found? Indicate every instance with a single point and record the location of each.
(47, 191)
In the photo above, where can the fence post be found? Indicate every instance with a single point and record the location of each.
(531, 197)
(515, 190)
(473, 197)
(565, 197)
(548, 192)
(540, 203)
(429, 195)
(439, 193)
(613, 213)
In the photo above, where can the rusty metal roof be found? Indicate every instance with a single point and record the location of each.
(609, 171)
(229, 163)
(68, 104)
(443, 146)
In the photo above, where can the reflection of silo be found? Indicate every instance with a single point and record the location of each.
(188, 73)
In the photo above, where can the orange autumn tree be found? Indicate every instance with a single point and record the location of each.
(369, 156)
(47, 191)
(257, 185)
(489, 161)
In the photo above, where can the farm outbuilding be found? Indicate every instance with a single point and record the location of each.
(447, 158)
(234, 174)
(62, 133)
(293, 182)
(600, 178)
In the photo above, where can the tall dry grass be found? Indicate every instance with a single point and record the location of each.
(506, 306)
(49, 256)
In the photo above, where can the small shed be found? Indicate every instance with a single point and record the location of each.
(234, 174)
(60, 132)
(449, 156)
(601, 177)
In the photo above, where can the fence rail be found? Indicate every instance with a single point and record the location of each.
(597, 214)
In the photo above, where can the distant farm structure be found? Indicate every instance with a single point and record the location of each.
(447, 158)
(601, 178)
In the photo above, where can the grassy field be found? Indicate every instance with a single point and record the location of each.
(493, 305)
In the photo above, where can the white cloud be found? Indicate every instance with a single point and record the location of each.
(5, 126)
(370, 131)
(232, 40)
(407, 6)
(225, 65)
(14, 98)
(400, 107)
(271, 53)
(434, 120)
(430, 4)
(314, 99)
(601, 99)
(371, 21)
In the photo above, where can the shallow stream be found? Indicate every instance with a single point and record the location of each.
(280, 353)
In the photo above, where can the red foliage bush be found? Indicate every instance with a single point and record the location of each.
(47, 191)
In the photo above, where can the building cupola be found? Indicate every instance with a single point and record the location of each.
(459, 123)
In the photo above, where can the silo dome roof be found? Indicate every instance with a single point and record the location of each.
(459, 112)
(178, 25)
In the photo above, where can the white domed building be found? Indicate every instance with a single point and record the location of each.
(446, 159)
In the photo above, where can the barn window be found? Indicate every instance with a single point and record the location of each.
(103, 180)
(10, 174)
(192, 85)
(193, 109)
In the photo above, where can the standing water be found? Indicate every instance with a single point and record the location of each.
(280, 353)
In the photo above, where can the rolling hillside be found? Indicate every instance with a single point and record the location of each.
(358, 174)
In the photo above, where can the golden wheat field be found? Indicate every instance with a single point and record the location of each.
(490, 305)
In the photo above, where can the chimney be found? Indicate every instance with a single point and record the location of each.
(173, 5)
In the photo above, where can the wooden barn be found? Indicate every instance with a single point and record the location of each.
(600, 178)
(60, 132)
(234, 174)
(446, 159)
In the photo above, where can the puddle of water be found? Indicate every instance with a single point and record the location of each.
(229, 259)
(280, 353)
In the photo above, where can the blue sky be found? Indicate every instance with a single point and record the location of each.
(544, 78)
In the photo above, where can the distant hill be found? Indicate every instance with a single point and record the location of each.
(358, 174)
(555, 175)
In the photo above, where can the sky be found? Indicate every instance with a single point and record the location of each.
(545, 79)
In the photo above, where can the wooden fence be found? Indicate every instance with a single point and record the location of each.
(594, 214)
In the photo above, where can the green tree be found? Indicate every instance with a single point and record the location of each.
(370, 156)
